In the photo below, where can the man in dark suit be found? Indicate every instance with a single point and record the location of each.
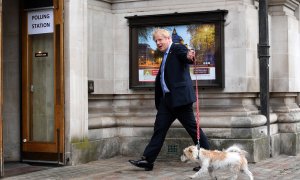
(174, 97)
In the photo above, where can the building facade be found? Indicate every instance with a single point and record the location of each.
(47, 108)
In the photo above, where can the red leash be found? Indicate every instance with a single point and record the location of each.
(197, 110)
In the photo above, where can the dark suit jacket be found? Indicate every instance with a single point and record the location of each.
(177, 78)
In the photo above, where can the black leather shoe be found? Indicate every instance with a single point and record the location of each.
(142, 163)
(197, 168)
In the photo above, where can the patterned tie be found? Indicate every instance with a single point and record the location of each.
(162, 76)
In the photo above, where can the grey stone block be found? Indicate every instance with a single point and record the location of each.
(133, 146)
(225, 133)
(258, 149)
(275, 145)
(83, 152)
(289, 117)
(236, 133)
(290, 143)
(289, 127)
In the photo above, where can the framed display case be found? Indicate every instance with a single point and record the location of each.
(201, 31)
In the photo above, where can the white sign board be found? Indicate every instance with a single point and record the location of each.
(40, 22)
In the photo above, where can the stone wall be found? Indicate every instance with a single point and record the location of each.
(121, 119)
(226, 119)
(11, 80)
(285, 58)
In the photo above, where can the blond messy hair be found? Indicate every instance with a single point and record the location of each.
(159, 31)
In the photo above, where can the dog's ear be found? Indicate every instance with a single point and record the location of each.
(190, 150)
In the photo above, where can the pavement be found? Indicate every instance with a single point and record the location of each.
(282, 167)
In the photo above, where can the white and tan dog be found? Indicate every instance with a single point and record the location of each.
(232, 158)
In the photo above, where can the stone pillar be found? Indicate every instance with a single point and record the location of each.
(11, 79)
(298, 17)
(1, 98)
(76, 91)
(285, 44)
(284, 72)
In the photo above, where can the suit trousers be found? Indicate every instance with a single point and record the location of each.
(165, 116)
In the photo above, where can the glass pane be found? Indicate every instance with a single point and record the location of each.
(42, 88)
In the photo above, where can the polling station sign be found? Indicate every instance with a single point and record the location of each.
(40, 22)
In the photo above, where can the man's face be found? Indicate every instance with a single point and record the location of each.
(162, 42)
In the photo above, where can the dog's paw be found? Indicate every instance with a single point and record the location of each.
(193, 176)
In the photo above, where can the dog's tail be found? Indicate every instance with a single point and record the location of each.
(236, 149)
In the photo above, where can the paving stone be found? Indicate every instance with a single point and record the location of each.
(278, 168)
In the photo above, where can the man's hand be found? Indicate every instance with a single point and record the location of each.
(191, 55)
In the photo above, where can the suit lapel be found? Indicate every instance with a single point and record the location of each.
(169, 55)
(166, 65)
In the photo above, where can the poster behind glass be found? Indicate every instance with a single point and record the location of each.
(200, 37)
